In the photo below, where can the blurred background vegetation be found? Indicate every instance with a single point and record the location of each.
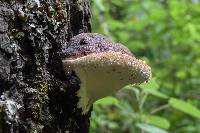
(166, 34)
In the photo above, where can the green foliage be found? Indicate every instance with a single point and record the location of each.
(158, 121)
(166, 34)
(185, 107)
(107, 101)
(150, 128)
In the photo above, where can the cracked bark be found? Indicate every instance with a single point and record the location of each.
(35, 93)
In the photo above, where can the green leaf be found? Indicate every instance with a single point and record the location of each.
(117, 2)
(152, 84)
(185, 107)
(150, 129)
(107, 101)
(152, 88)
(156, 93)
(158, 121)
(99, 4)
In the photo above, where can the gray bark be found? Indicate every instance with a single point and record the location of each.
(36, 96)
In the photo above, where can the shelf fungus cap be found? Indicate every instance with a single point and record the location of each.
(102, 66)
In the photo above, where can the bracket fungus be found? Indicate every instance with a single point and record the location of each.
(102, 66)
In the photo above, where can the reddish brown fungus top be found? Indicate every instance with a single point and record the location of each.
(88, 43)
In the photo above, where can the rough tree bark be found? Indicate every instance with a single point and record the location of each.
(36, 96)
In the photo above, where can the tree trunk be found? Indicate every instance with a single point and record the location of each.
(36, 94)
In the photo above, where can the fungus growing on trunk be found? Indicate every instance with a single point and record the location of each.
(102, 67)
